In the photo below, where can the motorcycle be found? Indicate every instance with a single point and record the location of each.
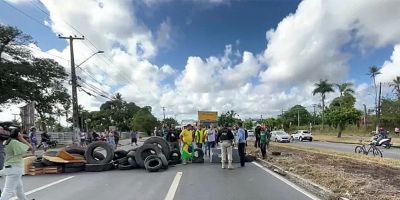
(384, 142)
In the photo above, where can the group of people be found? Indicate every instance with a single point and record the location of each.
(263, 136)
(208, 139)
(109, 136)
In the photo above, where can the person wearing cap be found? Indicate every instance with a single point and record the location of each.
(226, 137)
(187, 144)
(15, 148)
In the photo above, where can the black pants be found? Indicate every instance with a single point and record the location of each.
(116, 141)
(257, 143)
(263, 149)
(242, 153)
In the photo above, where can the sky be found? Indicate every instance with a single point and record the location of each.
(251, 56)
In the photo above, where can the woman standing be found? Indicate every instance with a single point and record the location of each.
(15, 147)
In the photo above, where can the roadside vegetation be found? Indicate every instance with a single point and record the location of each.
(347, 175)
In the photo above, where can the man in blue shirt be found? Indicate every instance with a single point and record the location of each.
(241, 143)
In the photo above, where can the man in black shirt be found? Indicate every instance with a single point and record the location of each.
(173, 138)
(226, 137)
(257, 133)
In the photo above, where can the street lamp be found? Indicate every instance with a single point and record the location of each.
(89, 58)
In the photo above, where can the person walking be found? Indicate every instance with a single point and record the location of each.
(110, 138)
(187, 144)
(211, 138)
(133, 138)
(226, 137)
(33, 139)
(241, 143)
(15, 148)
(172, 138)
(257, 133)
(83, 139)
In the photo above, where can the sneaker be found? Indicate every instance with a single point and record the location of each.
(223, 166)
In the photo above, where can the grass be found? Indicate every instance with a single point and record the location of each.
(359, 157)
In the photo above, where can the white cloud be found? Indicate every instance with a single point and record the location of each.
(391, 68)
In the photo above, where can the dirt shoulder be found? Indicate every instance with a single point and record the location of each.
(347, 175)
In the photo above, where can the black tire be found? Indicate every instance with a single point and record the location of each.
(249, 158)
(132, 162)
(74, 169)
(37, 164)
(300, 139)
(377, 152)
(121, 160)
(72, 165)
(276, 140)
(50, 153)
(144, 151)
(175, 155)
(160, 142)
(119, 154)
(98, 167)
(46, 162)
(89, 154)
(358, 149)
(153, 163)
(81, 151)
(310, 139)
(198, 156)
(131, 154)
(164, 161)
(125, 166)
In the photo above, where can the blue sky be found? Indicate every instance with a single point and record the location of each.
(308, 40)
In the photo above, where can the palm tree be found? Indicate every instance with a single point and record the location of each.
(323, 87)
(396, 86)
(373, 72)
(345, 89)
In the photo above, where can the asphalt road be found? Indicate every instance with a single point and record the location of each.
(393, 153)
(197, 181)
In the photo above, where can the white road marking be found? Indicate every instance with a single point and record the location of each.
(174, 186)
(311, 196)
(44, 187)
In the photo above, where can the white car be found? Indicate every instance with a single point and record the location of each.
(302, 135)
(250, 133)
(280, 136)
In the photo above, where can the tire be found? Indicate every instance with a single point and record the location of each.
(164, 161)
(98, 167)
(160, 142)
(377, 152)
(119, 154)
(310, 139)
(50, 153)
(249, 158)
(300, 139)
(89, 154)
(125, 166)
(74, 165)
(358, 149)
(386, 145)
(199, 158)
(121, 160)
(81, 151)
(131, 154)
(37, 164)
(132, 162)
(74, 169)
(46, 162)
(144, 151)
(175, 157)
(276, 140)
(153, 163)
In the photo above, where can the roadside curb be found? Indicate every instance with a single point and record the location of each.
(393, 146)
(312, 187)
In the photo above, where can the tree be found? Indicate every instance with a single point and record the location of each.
(292, 116)
(373, 72)
(345, 89)
(342, 112)
(323, 87)
(395, 84)
(227, 118)
(170, 122)
(12, 42)
(390, 113)
(248, 124)
(144, 121)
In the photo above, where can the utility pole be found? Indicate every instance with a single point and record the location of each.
(379, 104)
(75, 112)
(298, 119)
(163, 108)
(365, 116)
(314, 105)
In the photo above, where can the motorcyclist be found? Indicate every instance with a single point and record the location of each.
(381, 135)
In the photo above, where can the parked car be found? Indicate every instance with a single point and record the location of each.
(280, 136)
(250, 133)
(302, 135)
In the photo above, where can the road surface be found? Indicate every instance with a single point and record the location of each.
(393, 153)
(181, 182)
